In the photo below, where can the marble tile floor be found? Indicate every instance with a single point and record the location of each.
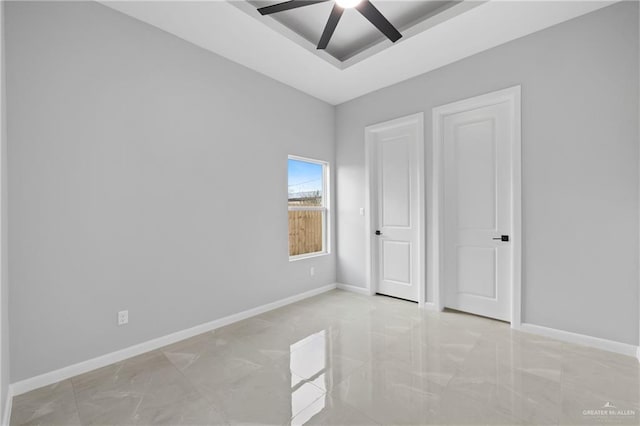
(346, 359)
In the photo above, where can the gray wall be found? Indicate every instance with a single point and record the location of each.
(4, 265)
(580, 165)
(144, 174)
(147, 174)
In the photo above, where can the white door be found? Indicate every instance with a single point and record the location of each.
(477, 216)
(396, 159)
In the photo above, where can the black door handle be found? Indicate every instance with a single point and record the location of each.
(378, 233)
(504, 238)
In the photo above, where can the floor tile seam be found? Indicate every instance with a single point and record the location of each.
(244, 341)
(303, 345)
(511, 412)
(147, 384)
(362, 364)
(293, 416)
(357, 410)
(448, 386)
(335, 396)
(31, 419)
(302, 379)
(391, 333)
(75, 400)
(218, 352)
(375, 419)
(197, 390)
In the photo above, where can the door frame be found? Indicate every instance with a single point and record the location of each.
(371, 202)
(435, 227)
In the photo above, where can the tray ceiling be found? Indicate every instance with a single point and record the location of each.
(354, 33)
(236, 31)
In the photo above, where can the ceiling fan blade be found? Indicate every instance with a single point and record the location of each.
(332, 22)
(287, 5)
(369, 11)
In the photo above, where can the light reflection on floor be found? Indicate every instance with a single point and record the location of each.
(309, 359)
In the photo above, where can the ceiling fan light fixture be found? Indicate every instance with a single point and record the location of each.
(365, 7)
(348, 4)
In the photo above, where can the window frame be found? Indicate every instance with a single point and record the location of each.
(324, 208)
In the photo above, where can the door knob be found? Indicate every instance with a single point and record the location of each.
(378, 233)
(502, 238)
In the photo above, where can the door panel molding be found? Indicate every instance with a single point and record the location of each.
(370, 133)
(435, 226)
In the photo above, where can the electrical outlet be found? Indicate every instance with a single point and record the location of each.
(312, 271)
(361, 211)
(123, 317)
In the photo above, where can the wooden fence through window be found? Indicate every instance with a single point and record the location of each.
(305, 231)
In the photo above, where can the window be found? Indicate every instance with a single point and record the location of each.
(308, 207)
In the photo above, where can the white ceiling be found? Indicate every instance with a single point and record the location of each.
(275, 50)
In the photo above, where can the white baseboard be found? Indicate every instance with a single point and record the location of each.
(150, 345)
(582, 339)
(6, 410)
(354, 289)
(638, 354)
(430, 306)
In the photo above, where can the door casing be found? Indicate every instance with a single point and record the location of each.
(435, 227)
(416, 120)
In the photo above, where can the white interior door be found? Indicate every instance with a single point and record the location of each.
(396, 219)
(477, 210)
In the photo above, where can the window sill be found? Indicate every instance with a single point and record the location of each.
(308, 256)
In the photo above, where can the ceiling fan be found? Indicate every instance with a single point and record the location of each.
(365, 7)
